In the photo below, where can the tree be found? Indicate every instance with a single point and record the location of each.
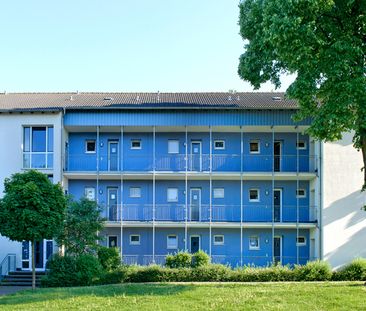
(83, 221)
(32, 209)
(323, 42)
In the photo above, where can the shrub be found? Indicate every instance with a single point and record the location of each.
(119, 275)
(179, 260)
(313, 271)
(268, 274)
(200, 259)
(153, 273)
(65, 271)
(109, 258)
(355, 271)
(211, 273)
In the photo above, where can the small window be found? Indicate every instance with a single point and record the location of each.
(218, 239)
(254, 195)
(135, 239)
(254, 146)
(300, 241)
(112, 241)
(301, 144)
(172, 195)
(90, 193)
(172, 242)
(254, 242)
(135, 192)
(301, 193)
(173, 146)
(219, 193)
(219, 144)
(90, 146)
(136, 144)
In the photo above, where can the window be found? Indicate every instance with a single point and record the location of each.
(172, 195)
(135, 192)
(172, 242)
(90, 193)
(173, 146)
(300, 241)
(135, 239)
(112, 241)
(90, 146)
(219, 144)
(38, 147)
(301, 193)
(301, 144)
(218, 239)
(254, 195)
(219, 193)
(254, 242)
(254, 146)
(135, 143)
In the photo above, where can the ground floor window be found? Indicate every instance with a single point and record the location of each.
(254, 242)
(172, 241)
(135, 239)
(218, 239)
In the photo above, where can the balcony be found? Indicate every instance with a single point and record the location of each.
(192, 163)
(219, 213)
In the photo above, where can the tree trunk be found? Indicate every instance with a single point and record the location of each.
(33, 267)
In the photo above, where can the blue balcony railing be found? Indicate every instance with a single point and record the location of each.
(191, 163)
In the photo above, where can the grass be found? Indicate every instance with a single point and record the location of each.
(195, 296)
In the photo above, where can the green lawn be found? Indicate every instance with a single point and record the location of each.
(214, 296)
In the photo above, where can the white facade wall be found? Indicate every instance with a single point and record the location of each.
(11, 157)
(343, 221)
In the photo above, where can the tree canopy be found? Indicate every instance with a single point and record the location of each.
(322, 42)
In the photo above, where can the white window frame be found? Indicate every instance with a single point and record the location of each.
(173, 141)
(254, 248)
(221, 141)
(134, 196)
(135, 242)
(219, 243)
(259, 146)
(90, 141)
(302, 196)
(301, 141)
(167, 241)
(86, 189)
(167, 195)
(215, 194)
(136, 140)
(300, 243)
(258, 193)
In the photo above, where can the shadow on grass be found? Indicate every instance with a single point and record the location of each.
(49, 294)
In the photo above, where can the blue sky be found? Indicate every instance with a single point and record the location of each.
(125, 45)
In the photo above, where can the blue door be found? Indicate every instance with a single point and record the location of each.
(113, 155)
(195, 244)
(196, 156)
(277, 204)
(112, 204)
(195, 204)
(277, 249)
(38, 254)
(277, 154)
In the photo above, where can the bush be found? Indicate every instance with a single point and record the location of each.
(65, 271)
(268, 274)
(313, 271)
(211, 273)
(119, 275)
(179, 260)
(200, 259)
(109, 258)
(355, 271)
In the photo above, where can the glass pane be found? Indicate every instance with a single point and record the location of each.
(50, 160)
(26, 160)
(173, 146)
(26, 139)
(50, 139)
(172, 194)
(38, 160)
(38, 139)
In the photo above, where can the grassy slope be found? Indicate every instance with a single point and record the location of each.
(258, 296)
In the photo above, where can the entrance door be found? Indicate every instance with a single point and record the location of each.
(195, 243)
(196, 156)
(195, 204)
(113, 155)
(112, 241)
(277, 150)
(38, 254)
(277, 249)
(112, 203)
(277, 205)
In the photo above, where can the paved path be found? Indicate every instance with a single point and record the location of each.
(6, 290)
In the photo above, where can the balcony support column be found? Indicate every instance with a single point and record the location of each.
(241, 195)
(186, 192)
(273, 185)
(297, 196)
(121, 192)
(153, 197)
(97, 190)
(210, 208)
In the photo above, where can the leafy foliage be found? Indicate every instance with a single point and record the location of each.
(82, 224)
(355, 271)
(323, 43)
(313, 271)
(109, 258)
(179, 260)
(200, 259)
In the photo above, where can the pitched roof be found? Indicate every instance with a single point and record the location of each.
(212, 100)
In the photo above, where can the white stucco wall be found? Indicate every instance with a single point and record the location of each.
(344, 223)
(11, 139)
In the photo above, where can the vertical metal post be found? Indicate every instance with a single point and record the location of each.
(273, 184)
(186, 193)
(121, 195)
(97, 192)
(241, 194)
(297, 196)
(210, 208)
(153, 196)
